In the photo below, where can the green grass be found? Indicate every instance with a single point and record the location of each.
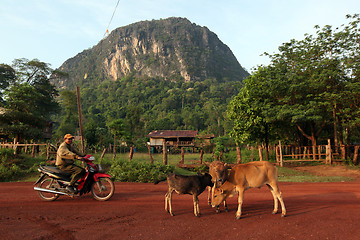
(26, 167)
(290, 175)
(286, 174)
(173, 159)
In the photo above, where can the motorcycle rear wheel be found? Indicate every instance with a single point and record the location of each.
(50, 184)
(103, 189)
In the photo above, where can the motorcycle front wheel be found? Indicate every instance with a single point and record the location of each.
(103, 189)
(48, 183)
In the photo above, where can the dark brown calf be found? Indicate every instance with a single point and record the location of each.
(193, 185)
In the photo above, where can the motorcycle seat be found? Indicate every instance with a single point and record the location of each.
(55, 170)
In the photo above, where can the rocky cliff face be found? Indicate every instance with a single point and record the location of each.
(172, 48)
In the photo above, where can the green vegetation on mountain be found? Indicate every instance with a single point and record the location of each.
(145, 104)
(161, 74)
(172, 49)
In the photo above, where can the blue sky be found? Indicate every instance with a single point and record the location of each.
(55, 30)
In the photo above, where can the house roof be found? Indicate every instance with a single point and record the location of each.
(172, 133)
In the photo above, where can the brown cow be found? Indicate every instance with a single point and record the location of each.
(250, 175)
(219, 173)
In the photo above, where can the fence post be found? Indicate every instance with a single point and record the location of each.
(33, 151)
(164, 152)
(281, 157)
(343, 152)
(151, 158)
(182, 155)
(131, 154)
(201, 155)
(328, 153)
(314, 152)
(102, 155)
(356, 154)
(260, 153)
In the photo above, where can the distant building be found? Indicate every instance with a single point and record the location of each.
(178, 138)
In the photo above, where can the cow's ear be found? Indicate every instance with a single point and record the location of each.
(225, 165)
(221, 190)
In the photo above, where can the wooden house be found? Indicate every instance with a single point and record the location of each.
(178, 138)
(175, 138)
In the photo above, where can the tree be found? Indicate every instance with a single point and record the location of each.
(251, 110)
(22, 118)
(306, 86)
(118, 129)
(68, 117)
(28, 104)
(31, 70)
(7, 77)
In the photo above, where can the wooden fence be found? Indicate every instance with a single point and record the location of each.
(32, 148)
(323, 153)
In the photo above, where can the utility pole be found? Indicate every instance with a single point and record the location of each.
(80, 119)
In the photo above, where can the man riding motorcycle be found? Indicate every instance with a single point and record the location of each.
(66, 154)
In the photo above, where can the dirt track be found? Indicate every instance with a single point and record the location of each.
(136, 211)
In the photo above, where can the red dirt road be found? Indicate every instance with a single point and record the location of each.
(136, 211)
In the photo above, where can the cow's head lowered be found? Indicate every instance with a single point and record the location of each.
(219, 195)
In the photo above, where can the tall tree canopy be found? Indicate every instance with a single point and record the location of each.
(28, 101)
(310, 85)
(7, 78)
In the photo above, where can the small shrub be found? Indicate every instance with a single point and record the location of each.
(15, 167)
(6, 154)
(125, 171)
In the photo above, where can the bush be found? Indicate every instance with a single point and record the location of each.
(125, 171)
(14, 167)
(9, 170)
(6, 154)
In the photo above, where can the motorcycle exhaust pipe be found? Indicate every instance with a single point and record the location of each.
(50, 191)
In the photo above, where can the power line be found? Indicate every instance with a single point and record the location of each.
(106, 32)
(107, 29)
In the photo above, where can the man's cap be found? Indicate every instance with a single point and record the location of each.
(67, 136)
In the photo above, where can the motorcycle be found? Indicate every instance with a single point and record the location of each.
(53, 182)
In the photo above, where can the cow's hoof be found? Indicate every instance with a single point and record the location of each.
(274, 212)
(237, 217)
(226, 210)
(283, 215)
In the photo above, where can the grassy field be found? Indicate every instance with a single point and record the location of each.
(286, 174)
(26, 166)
